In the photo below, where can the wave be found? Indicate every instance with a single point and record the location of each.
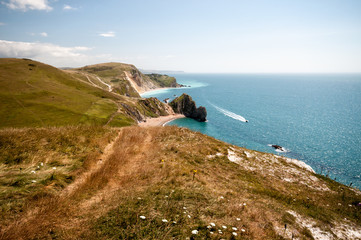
(230, 114)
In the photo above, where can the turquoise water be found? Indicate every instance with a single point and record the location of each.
(316, 118)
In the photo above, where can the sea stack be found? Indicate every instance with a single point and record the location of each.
(186, 106)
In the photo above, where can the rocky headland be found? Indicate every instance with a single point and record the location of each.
(73, 167)
(185, 105)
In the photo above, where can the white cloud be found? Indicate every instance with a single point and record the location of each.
(25, 5)
(43, 34)
(47, 53)
(68, 7)
(2, 24)
(107, 34)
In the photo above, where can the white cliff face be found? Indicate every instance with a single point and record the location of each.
(137, 81)
(282, 168)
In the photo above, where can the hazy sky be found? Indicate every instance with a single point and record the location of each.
(189, 35)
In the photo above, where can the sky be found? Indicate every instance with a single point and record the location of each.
(223, 36)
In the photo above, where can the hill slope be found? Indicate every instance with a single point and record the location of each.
(163, 183)
(35, 94)
(124, 79)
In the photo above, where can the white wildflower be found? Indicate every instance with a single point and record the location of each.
(33, 172)
(194, 231)
(41, 164)
(184, 208)
(238, 219)
(243, 230)
(234, 229)
(54, 168)
(224, 227)
(189, 216)
(33, 181)
(174, 222)
(212, 224)
(234, 233)
(211, 232)
(166, 196)
(209, 226)
(164, 220)
(142, 217)
(221, 197)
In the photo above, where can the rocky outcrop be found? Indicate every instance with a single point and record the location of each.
(186, 106)
(278, 147)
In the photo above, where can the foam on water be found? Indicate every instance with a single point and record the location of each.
(189, 84)
(230, 114)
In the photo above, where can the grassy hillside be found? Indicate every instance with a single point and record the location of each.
(113, 74)
(163, 80)
(162, 183)
(125, 79)
(33, 94)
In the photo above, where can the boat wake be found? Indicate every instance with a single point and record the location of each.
(230, 114)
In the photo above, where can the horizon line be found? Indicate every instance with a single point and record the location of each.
(182, 72)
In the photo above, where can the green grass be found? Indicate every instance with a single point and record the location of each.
(113, 74)
(46, 96)
(157, 204)
(35, 162)
(120, 120)
(163, 80)
(99, 112)
(151, 173)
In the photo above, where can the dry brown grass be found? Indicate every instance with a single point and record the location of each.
(150, 172)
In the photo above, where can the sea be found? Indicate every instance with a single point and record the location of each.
(316, 118)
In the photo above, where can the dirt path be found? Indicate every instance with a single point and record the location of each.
(92, 83)
(92, 193)
(95, 85)
(108, 150)
(113, 114)
(106, 84)
(124, 171)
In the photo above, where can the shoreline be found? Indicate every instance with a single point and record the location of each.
(160, 121)
(152, 90)
(157, 89)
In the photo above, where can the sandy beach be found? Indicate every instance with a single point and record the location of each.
(160, 121)
(154, 89)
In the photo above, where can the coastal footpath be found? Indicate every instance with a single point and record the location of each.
(75, 164)
(162, 182)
